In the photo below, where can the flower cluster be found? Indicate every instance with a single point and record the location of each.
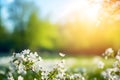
(112, 73)
(30, 66)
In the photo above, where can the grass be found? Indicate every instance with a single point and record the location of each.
(84, 64)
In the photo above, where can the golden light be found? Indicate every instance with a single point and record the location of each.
(95, 23)
(86, 10)
(90, 11)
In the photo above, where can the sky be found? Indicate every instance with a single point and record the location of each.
(52, 8)
(57, 10)
(5, 14)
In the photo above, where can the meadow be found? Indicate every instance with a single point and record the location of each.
(80, 67)
(81, 29)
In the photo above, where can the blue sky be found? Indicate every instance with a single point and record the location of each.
(52, 8)
(55, 9)
(4, 13)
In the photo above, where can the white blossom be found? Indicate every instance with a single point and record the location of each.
(27, 51)
(21, 69)
(20, 78)
(100, 64)
(113, 73)
(61, 54)
(118, 58)
(108, 53)
(10, 78)
(28, 61)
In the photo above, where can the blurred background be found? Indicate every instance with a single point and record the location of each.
(52, 26)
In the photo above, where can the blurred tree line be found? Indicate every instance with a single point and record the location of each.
(74, 35)
(29, 30)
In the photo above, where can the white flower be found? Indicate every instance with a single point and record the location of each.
(20, 78)
(100, 64)
(21, 69)
(118, 53)
(113, 73)
(38, 66)
(77, 75)
(108, 53)
(27, 51)
(10, 76)
(28, 61)
(18, 56)
(35, 54)
(107, 73)
(115, 64)
(33, 57)
(116, 69)
(35, 79)
(115, 77)
(61, 64)
(118, 57)
(60, 75)
(61, 54)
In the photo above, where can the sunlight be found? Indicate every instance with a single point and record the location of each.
(86, 10)
(92, 12)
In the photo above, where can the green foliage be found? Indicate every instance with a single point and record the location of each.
(41, 34)
(37, 35)
(4, 39)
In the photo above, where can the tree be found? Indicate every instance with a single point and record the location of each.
(19, 12)
(41, 34)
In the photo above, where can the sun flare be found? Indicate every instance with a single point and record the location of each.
(91, 11)
(92, 22)
(86, 9)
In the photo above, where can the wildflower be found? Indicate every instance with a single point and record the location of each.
(10, 76)
(21, 69)
(115, 64)
(27, 51)
(26, 61)
(100, 64)
(113, 73)
(18, 56)
(78, 76)
(35, 79)
(109, 50)
(108, 53)
(36, 67)
(118, 56)
(61, 54)
(71, 77)
(107, 73)
(118, 53)
(44, 75)
(20, 78)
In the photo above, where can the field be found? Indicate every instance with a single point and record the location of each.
(85, 65)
